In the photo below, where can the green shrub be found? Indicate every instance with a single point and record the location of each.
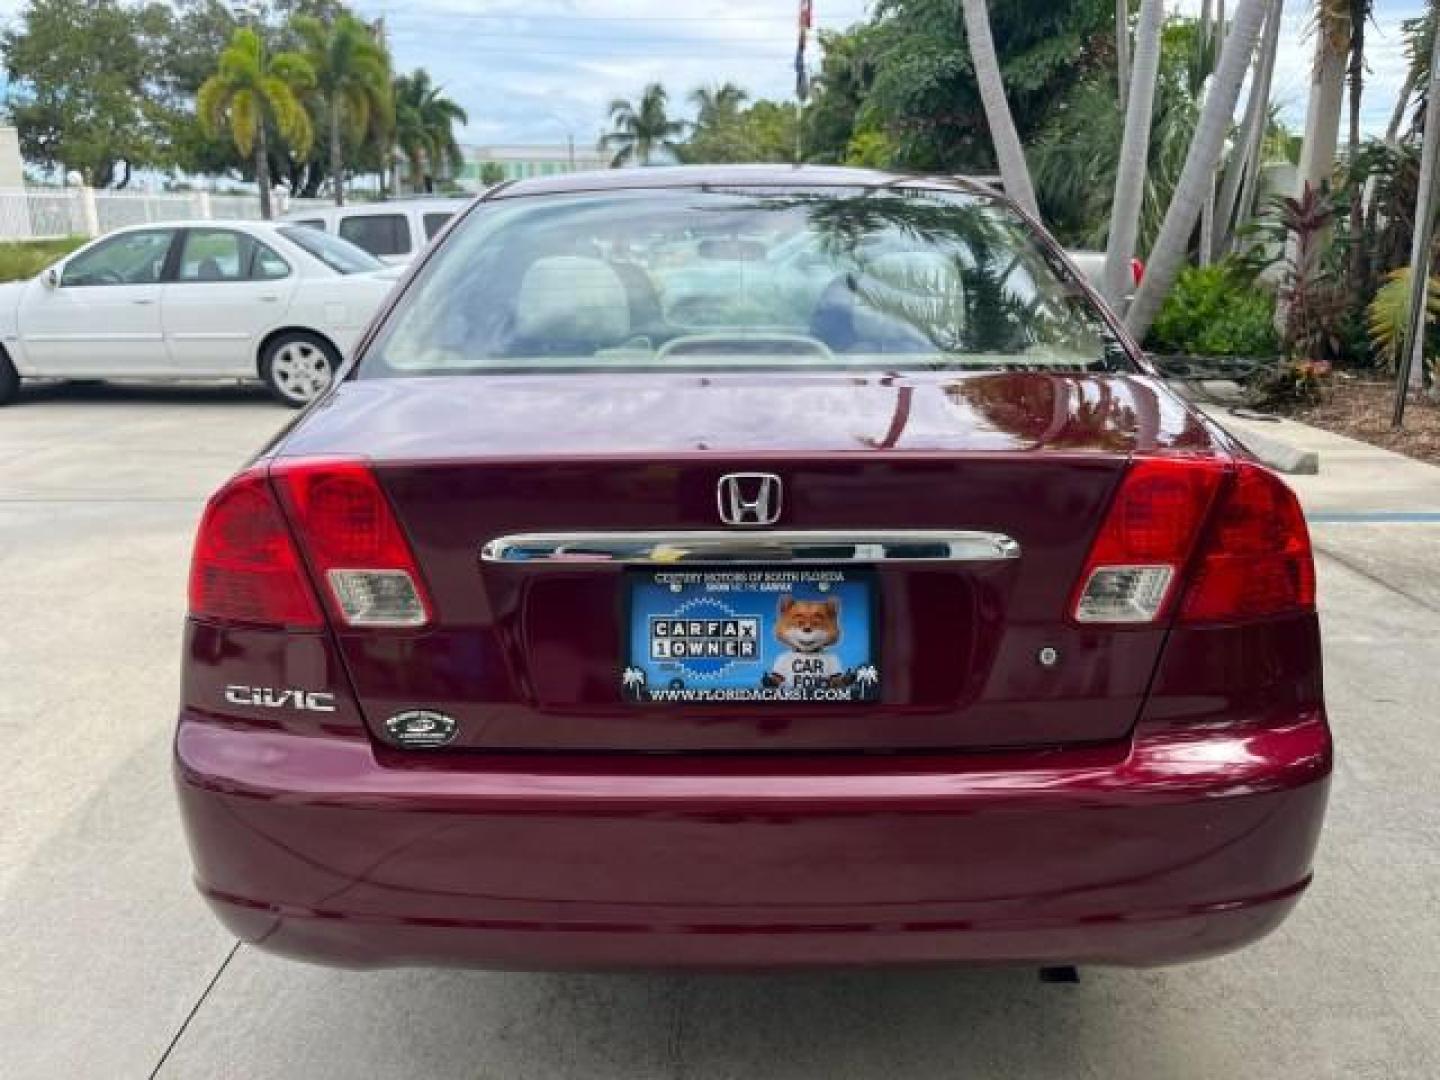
(1216, 311)
(21, 259)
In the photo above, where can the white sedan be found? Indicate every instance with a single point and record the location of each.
(190, 300)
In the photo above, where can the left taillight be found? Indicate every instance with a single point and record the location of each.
(245, 568)
(354, 542)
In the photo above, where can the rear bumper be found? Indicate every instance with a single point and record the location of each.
(1170, 847)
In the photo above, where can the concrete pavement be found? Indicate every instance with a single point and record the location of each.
(112, 968)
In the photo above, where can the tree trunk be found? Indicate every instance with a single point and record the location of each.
(1134, 154)
(314, 178)
(1359, 265)
(1207, 216)
(1322, 121)
(1215, 37)
(1411, 375)
(1122, 51)
(1246, 161)
(262, 169)
(1251, 186)
(337, 155)
(1200, 163)
(1322, 135)
(1009, 154)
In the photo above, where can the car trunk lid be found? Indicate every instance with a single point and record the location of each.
(973, 650)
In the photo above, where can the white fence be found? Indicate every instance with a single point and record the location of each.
(39, 214)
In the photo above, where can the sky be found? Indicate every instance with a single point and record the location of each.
(539, 71)
(536, 70)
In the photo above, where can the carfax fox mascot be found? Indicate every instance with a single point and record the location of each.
(808, 629)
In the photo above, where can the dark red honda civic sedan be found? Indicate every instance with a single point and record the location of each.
(750, 567)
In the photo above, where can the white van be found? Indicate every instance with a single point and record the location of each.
(394, 232)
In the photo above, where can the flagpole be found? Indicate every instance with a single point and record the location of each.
(802, 82)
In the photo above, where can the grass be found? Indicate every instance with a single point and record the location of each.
(21, 259)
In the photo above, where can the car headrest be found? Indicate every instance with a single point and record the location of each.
(570, 301)
(894, 304)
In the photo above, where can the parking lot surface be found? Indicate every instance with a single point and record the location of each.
(113, 968)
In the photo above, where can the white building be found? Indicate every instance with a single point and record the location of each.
(523, 162)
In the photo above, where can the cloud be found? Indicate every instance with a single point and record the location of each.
(527, 73)
(530, 72)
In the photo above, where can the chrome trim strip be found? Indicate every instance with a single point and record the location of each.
(814, 547)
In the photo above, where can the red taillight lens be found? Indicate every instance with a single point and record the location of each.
(1137, 271)
(1146, 540)
(354, 542)
(245, 567)
(1257, 561)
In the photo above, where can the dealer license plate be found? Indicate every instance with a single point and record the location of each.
(751, 635)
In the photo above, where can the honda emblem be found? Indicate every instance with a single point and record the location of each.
(749, 498)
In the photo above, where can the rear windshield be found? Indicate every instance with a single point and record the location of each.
(339, 255)
(683, 279)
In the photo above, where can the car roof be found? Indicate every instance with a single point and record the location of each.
(390, 206)
(689, 176)
(197, 223)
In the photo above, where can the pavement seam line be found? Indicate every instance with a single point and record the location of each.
(194, 1009)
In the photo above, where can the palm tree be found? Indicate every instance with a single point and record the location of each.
(637, 133)
(1237, 192)
(1200, 163)
(425, 127)
(248, 94)
(1419, 41)
(1134, 151)
(1359, 14)
(352, 82)
(1412, 366)
(1009, 154)
(1327, 94)
(1322, 117)
(717, 104)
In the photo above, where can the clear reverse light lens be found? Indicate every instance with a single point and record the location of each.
(1124, 594)
(377, 597)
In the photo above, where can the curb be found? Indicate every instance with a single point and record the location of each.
(1270, 448)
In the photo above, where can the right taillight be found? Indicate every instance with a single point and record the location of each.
(1144, 544)
(1257, 560)
(1223, 544)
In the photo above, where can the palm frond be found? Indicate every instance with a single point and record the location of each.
(291, 119)
(245, 119)
(1388, 317)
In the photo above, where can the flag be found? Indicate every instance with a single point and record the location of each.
(802, 76)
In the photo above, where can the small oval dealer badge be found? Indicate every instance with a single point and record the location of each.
(421, 728)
